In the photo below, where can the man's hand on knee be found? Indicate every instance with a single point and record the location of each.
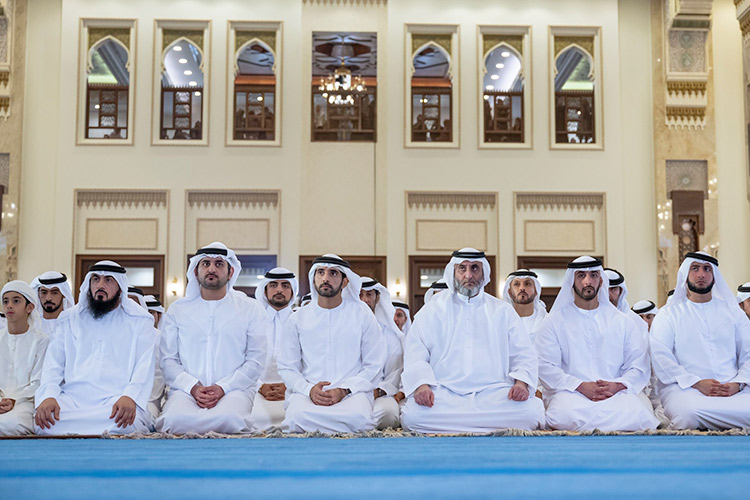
(519, 391)
(424, 396)
(46, 413)
(123, 411)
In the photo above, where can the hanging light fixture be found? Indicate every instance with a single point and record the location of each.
(342, 82)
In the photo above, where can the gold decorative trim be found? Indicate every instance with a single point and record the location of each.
(4, 106)
(170, 35)
(121, 34)
(490, 40)
(685, 112)
(233, 198)
(241, 37)
(681, 87)
(117, 197)
(4, 78)
(346, 2)
(560, 200)
(419, 39)
(452, 200)
(563, 42)
(745, 22)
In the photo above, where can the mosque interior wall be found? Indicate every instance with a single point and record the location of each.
(352, 198)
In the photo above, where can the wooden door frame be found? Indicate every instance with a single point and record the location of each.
(125, 261)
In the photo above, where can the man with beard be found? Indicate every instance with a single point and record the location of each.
(522, 290)
(388, 393)
(99, 366)
(593, 360)
(331, 355)
(468, 362)
(213, 347)
(276, 292)
(55, 296)
(700, 346)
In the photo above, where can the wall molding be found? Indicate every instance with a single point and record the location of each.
(594, 201)
(451, 200)
(92, 198)
(240, 198)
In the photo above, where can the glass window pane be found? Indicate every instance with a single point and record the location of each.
(427, 276)
(140, 276)
(550, 277)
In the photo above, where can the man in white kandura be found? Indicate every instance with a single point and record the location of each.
(593, 360)
(388, 393)
(54, 295)
(276, 292)
(435, 288)
(331, 355)
(402, 316)
(22, 348)
(99, 367)
(468, 362)
(646, 310)
(700, 349)
(618, 297)
(522, 290)
(743, 298)
(213, 348)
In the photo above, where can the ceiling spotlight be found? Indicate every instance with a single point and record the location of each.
(505, 53)
(495, 77)
(182, 60)
(177, 48)
(490, 87)
(193, 84)
(499, 65)
(96, 106)
(260, 97)
(197, 94)
(187, 72)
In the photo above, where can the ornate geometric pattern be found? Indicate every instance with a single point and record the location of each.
(491, 41)
(585, 42)
(560, 200)
(233, 198)
(267, 37)
(123, 197)
(419, 39)
(169, 36)
(121, 34)
(456, 200)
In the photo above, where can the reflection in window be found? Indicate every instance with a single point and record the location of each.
(254, 94)
(574, 97)
(429, 275)
(431, 110)
(344, 86)
(182, 92)
(503, 96)
(107, 85)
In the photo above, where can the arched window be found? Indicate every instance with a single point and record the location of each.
(574, 97)
(182, 91)
(107, 88)
(503, 96)
(255, 93)
(431, 88)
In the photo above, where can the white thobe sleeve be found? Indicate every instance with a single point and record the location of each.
(289, 360)
(742, 340)
(250, 371)
(175, 375)
(666, 367)
(550, 359)
(636, 369)
(524, 364)
(27, 391)
(417, 368)
(53, 367)
(394, 366)
(373, 353)
(142, 378)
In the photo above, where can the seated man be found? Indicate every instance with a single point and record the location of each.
(618, 297)
(402, 316)
(213, 347)
(468, 361)
(99, 366)
(435, 288)
(593, 360)
(646, 310)
(55, 296)
(22, 348)
(276, 292)
(522, 290)
(743, 298)
(388, 393)
(331, 355)
(700, 347)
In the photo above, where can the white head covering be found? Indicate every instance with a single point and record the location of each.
(384, 310)
(276, 274)
(645, 307)
(24, 289)
(743, 292)
(53, 279)
(351, 292)
(109, 268)
(436, 287)
(720, 290)
(471, 255)
(397, 304)
(305, 299)
(153, 304)
(617, 279)
(139, 295)
(566, 295)
(215, 249)
(521, 274)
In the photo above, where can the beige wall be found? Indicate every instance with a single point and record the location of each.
(351, 198)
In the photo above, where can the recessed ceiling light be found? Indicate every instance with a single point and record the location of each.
(260, 97)
(197, 94)
(177, 48)
(499, 65)
(490, 87)
(96, 106)
(182, 61)
(193, 84)
(505, 53)
(187, 72)
(495, 77)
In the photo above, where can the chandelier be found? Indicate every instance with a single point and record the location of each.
(341, 82)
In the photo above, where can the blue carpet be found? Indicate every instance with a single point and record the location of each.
(483, 467)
